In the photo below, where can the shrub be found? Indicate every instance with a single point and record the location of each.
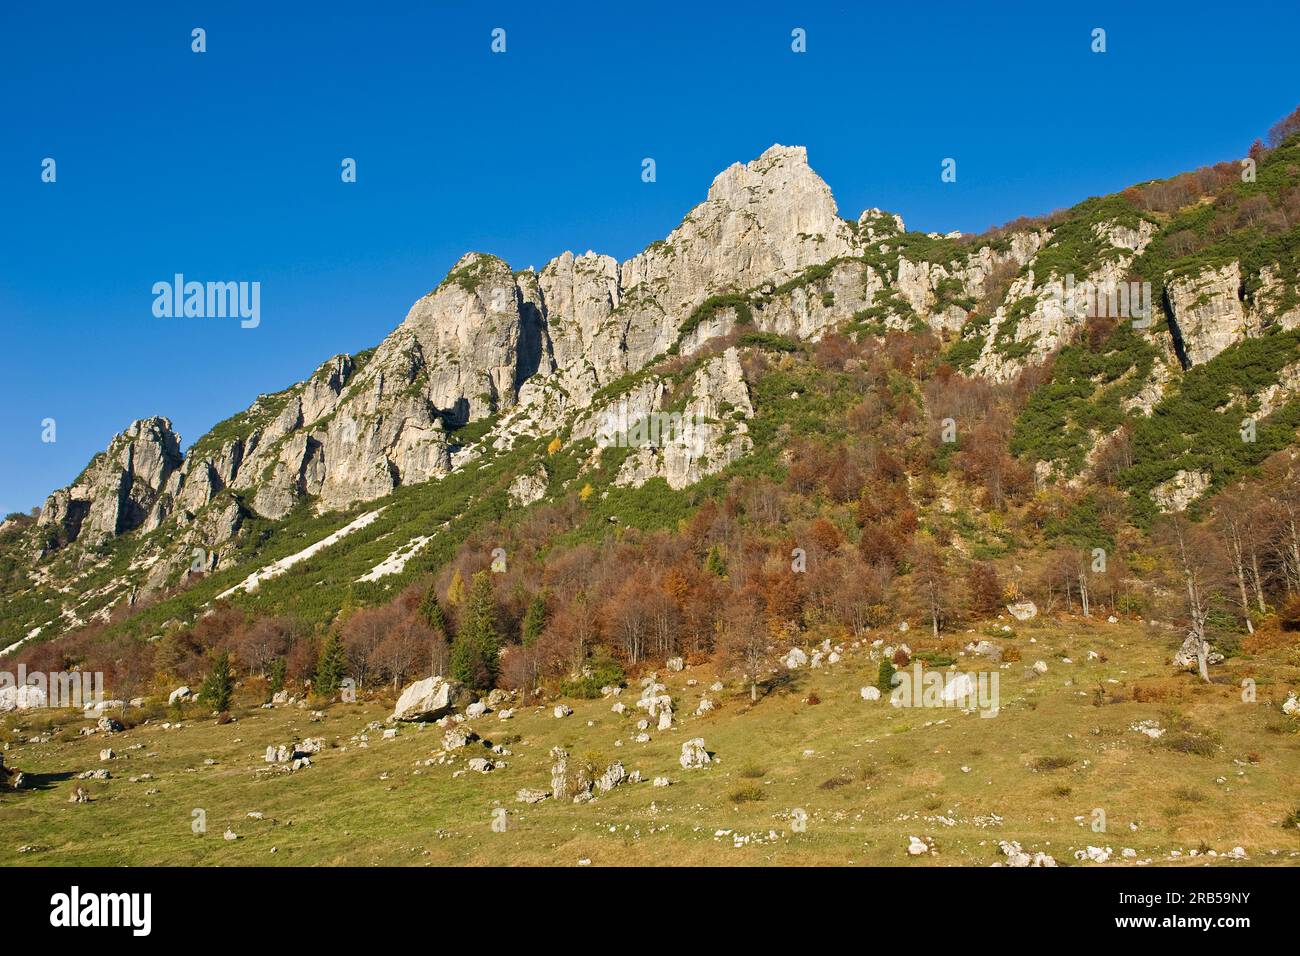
(1189, 743)
(750, 793)
(1288, 618)
(885, 677)
(601, 670)
(1058, 762)
(935, 658)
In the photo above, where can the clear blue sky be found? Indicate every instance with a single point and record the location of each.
(225, 165)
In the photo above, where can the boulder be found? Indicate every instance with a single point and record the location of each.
(694, 756)
(1187, 654)
(1023, 610)
(870, 693)
(429, 699)
(612, 777)
(179, 694)
(27, 697)
(458, 737)
(959, 689)
(794, 659)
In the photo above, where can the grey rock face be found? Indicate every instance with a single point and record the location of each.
(120, 488)
(1210, 313)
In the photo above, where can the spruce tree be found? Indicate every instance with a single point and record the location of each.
(432, 614)
(331, 668)
(534, 620)
(219, 684)
(474, 652)
(715, 563)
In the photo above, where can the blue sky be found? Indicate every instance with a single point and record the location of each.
(225, 165)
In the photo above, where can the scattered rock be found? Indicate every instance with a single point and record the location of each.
(1095, 854)
(794, 659)
(1018, 857)
(694, 755)
(457, 737)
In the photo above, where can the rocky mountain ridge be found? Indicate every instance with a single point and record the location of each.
(492, 354)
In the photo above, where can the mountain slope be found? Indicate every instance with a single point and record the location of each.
(452, 420)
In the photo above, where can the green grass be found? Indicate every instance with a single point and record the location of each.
(895, 773)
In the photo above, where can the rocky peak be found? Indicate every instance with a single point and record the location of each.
(120, 487)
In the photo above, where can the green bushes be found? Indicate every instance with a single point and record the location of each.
(601, 670)
(885, 677)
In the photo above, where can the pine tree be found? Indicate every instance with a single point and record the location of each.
(534, 620)
(219, 684)
(714, 563)
(331, 668)
(432, 614)
(474, 652)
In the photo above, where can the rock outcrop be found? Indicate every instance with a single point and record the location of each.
(121, 489)
(429, 699)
